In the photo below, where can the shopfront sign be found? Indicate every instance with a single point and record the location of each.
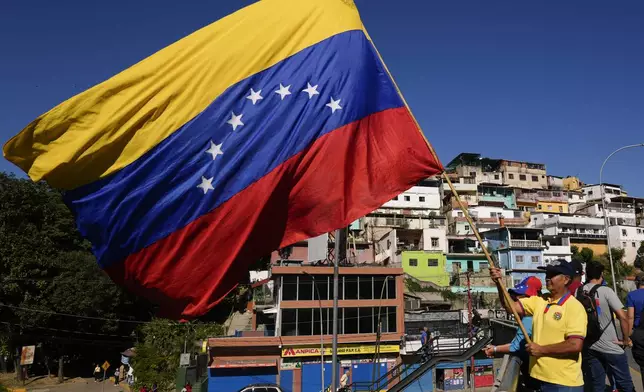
(244, 363)
(290, 352)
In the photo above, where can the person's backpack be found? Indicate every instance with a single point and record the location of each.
(594, 330)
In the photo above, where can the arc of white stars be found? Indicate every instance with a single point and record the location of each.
(206, 184)
(254, 96)
(311, 90)
(235, 120)
(334, 105)
(215, 149)
(283, 91)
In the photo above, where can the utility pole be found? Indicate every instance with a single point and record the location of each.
(471, 326)
(340, 254)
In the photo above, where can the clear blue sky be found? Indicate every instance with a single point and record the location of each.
(557, 82)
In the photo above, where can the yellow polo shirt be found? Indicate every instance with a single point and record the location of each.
(554, 322)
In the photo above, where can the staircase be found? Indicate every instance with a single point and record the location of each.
(395, 381)
(239, 322)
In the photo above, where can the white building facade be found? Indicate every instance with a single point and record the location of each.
(628, 238)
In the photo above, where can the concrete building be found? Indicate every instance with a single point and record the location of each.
(289, 353)
(583, 231)
(555, 182)
(499, 195)
(486, 218)
(552, 201)
(519, 251)
(526, 199)
(574, 198)
(556, 248)
(499, 171)
(425, 195)
(628, 238)
(594, 192)
(572, 183)
(617, 211)
(524, 174)
(426, 266)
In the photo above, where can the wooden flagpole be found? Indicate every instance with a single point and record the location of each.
(499, 283)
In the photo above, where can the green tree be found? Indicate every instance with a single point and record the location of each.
(158, 352)
(47, 270)
(639, 259)
(584, 255)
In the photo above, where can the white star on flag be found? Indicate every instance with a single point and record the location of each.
(254, 96)
(334, 105)
(235, 120)
(206, 184)
(311, 90)
(215, 149)
(283, 91)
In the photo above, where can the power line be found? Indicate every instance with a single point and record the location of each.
(66, 330)
(73, 315)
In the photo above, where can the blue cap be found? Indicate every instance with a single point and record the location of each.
(560, 266)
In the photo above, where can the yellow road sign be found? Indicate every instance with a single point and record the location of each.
(106, 366)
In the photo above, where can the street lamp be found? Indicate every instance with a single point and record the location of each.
(321, 328)
(606, 223)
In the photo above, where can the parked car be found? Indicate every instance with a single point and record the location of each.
(261, 388)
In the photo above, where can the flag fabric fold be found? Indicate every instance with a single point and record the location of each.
(270, 126)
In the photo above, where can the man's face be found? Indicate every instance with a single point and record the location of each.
(556, 282)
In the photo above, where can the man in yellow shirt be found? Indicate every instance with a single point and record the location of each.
(558, 331)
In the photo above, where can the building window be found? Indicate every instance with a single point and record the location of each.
(407, 198)
(421, 199)
(511, 176)
(623, 244)
(535, 259)
(483, 266)
(459, 214)
(590, 193)
(549, 207)
(624, 232)
(560, 209)
(466, 228)
(517, 214)
(493, 214)
(522, 177)
(432, 262)
(633, 244)
(472, 174)
(413, 262)
(639, 231)
(434, 242)
(535, 178)
(470, 266)
(496, 176)
(519, 259)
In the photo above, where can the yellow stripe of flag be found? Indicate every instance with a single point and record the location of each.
(109, 126)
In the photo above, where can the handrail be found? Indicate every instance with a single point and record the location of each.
(459, 353)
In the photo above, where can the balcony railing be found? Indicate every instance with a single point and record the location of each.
(584, 235)
(552, 196)
(533, 244)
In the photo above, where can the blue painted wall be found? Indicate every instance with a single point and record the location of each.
(286, 380)
(232, 380)
(423, 384)
(463, 262)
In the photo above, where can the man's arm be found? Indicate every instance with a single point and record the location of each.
(625, 326)
(572, 345)
(617, 308)
(631, 319)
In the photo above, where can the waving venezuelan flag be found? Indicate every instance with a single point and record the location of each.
(270, 126)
